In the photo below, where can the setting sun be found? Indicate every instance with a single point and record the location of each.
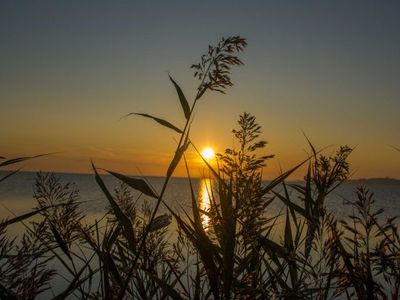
(208, 153)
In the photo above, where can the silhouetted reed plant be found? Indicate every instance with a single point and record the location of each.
(247, 250)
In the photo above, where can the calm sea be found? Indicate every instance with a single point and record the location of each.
(16, 198)
(16, 193)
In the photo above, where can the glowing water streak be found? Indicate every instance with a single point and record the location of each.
(204, 198)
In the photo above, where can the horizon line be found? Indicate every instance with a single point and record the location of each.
(178, 177)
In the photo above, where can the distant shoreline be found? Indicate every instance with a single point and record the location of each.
(369, 180)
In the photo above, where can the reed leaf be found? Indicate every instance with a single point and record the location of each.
(288, 234)
(122, 218)
(60, 241)
(137, 184)
(182, 99)
(108, 261)
(281, 178)
(27, 215)
(160, 222)
(197, 222)
(21, 159)
(314, 152)
(9, 174)
(288, 242)
(291, 205)
(207, 252)
(166, 288)
(111, 239)
(177, 157)
(158, 120)
(76, 282)
(273, 249)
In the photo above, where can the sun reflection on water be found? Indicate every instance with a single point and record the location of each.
(204, 196)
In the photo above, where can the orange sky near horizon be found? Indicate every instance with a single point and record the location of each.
(152, 155)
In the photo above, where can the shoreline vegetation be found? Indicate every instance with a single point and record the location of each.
(242, 252)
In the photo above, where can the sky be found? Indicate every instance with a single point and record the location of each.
(71, 69)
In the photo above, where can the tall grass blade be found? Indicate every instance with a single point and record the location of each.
(282, 177)
(290, 247)
(60, 241)
(311, 145)
(207, 252)
(122, 218)
(112, 267)
(177, 157)
(27, 215)
(9, 174)
(76, 282)
(182, 99)
(111, 239)
(273, 249)
(166, 288)
(21, 159)
(160, 222)
(291, 205)
(158, 120)
(137, 184)
(195, 208)
(348, 265)
(197, 288)
(288, 234)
